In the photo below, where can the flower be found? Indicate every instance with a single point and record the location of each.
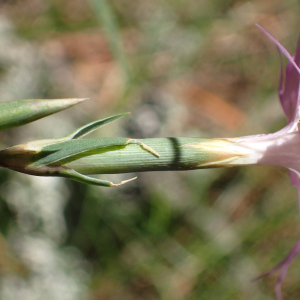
(74, 158)
(280, 148)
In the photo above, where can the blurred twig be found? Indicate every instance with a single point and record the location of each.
(110, 26)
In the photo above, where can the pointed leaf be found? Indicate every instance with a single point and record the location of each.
(17, 113)
(59, 151)
(88, 128)
(71, 174)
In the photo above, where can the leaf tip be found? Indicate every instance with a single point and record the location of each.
(122, 182)
(72, 101)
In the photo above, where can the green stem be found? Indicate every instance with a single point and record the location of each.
(175, 154)
(77, 158)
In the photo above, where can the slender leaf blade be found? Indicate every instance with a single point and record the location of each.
(88, 128)
(18, 113)
(59, 151)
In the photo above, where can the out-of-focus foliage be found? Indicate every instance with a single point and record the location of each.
(197, 68)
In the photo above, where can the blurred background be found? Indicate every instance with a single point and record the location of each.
(183, 68)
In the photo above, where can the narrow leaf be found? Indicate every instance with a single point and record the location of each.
(71, 174)
(88, 128)
(17, 113)
(59, 151)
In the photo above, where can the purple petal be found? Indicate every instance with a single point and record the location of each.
(281, 87)
(273, 270)
(297, 54)
(283, 265)
(280, 47)
(295, 181)
(290, 96)
(289, 91)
